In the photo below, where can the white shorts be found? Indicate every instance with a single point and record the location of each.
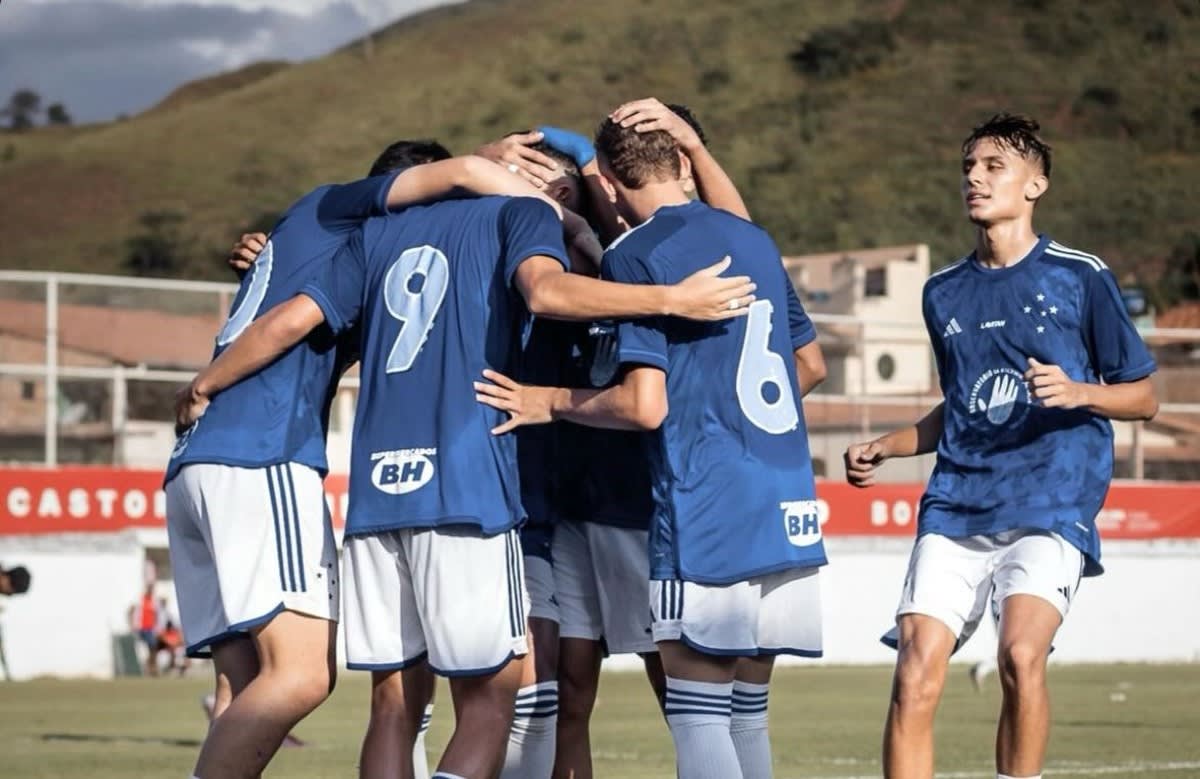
(775, 614)
(446, 594)
(539, 582)
(602, 578)
(247, 543)
(956, 580)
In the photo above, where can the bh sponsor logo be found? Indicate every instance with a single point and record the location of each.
(801, 522)
(402, 471)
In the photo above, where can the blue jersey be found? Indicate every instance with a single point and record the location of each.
(1004, 461)
(433, 289)
(281, 413)
(732, 475)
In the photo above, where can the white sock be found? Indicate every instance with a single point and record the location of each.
(748, 729)
(698, 715)
(444, 775)
(420, 760)
(531, 740)
(1006, 776)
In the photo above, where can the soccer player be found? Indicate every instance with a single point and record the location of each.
(433, 570)
(1035, 354)
(601, 564)
(251, 543)
(735, 542)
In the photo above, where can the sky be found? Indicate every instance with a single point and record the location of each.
(103, 58)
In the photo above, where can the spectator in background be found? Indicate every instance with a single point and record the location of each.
(143, 620)
(14, 581)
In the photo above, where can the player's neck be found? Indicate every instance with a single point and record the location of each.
(642, 203)
(1004, 243)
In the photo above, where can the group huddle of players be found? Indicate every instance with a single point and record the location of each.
(562, 450)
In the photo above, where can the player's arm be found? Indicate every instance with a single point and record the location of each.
(705, 295)
(603, 211)
(259, 345)
(712, 183)
(810, 367)
(637, 402)
(1116, 350)
(863, 459)
(810, 360)
(456, 177)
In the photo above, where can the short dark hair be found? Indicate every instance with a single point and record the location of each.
(1016, 132)
(565, 161)
(685, 113)
(636, 158)
(19, 579)
(407, 153)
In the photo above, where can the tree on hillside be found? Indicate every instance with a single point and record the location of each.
(56, 113)
(23, 107)
(160, 248)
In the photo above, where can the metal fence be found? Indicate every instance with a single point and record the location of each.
(89, 366)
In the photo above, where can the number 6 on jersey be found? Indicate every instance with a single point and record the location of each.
(413, 291)
(758, 368)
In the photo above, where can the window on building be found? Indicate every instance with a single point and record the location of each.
(27, 390)
(875, 285)
(886, 366)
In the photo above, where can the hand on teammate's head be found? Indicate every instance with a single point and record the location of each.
(515, 151)
(651, 114)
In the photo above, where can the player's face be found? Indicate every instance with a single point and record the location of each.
(998, 184)
(565, 190)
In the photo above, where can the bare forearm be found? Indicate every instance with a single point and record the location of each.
(714, 185)
(921, 438)
(1129, 401)
(254, 349)
(614, 408)
(459, 176)
(577, 298)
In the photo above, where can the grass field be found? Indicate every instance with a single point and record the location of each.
(1110, 721)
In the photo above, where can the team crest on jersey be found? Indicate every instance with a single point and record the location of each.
(998, 393)
(801, 522)
(402, 471)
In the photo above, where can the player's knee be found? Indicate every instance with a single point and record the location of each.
(918, 682)
(575, 700)
(304, 691)
(1021, 663)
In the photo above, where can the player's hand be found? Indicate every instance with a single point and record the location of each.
(526, 405)
(650, 114)
(189, 406)
(1051, 385)
(514, 152)
(243, 254)
(707, 296)
(570, 143)
(862, 460)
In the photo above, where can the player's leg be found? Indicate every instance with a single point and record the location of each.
(580, 649)
(419, 756)
(531, 741)
(276, 571)
(1035, 579)
(748, 724)
(235, 664)
(701, 631)
(941, 596)
(471, 598)
(384, 635)
(656, 676)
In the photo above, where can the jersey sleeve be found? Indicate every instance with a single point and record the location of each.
(529, 228)
(935, 338)
(1117, 352)
(337, 286)
(799, 325)
(639, 341)
(356, 201)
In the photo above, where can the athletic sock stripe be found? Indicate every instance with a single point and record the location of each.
(296, 524)
(668, 711)
(754, 710)
(287, 531)
(743, 693)
(278, 539)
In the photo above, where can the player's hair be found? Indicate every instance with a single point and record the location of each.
(1016, 132)
(685, 113)
(564, 160)
(636, 158)
(407, 153)
(19, 579)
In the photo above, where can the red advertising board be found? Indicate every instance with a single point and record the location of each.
(97, 500)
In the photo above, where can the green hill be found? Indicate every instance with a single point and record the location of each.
(840, 120)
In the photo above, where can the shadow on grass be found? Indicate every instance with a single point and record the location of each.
(102, 738)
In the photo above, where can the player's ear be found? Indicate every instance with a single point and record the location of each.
(1036, 187)
(609, 190)
(685, 166)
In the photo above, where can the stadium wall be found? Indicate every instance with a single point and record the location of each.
(86, 535)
